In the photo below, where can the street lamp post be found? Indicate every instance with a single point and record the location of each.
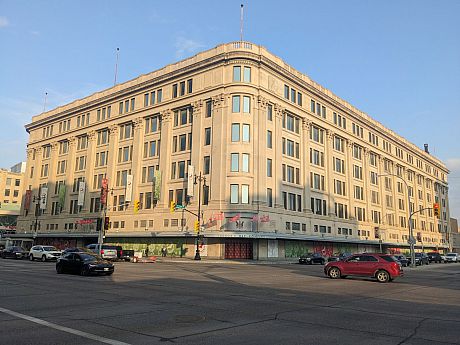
(198, 179)
(36, 201)
(411, 235)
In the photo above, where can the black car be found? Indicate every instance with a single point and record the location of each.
(310, 259)
(76, 250)
(435, 257)
(14, 252)
(420, 259)
(84, 264)
(402, 260)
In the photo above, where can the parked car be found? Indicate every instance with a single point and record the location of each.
(339, 257)
(84, 264)
(402, 259)
(14, 252)
(108, 252)
(124, 254)
(383, 267)
(420, 259)
(452, 257)
(76, 250)
(44, 253)
(310, 259)
(435, 257)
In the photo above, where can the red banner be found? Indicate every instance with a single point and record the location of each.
(27, 199)
(104, 188)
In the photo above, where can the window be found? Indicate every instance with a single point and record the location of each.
(340, 120)
(208, 112)
(63, 147)
(359, 193)
(245, 162)
(181, 166)
(103, 137)
(46, 151)
(189, 85)
(317, 181)
(245, 194)
(341, 210)
(247, 74)
(269, 112)
(339, 187)
(245, 136)
(269, 167)
(246, 104)
(374, 178)
(357, 130)
(206, 164)
(357, 152)
(207, 136)
(236, 73)
(234, 193)
(357, 172)
(339, 165)
(338, 144)
(318, 206)
(316, 157)
(269, 197)
(182, 88)
(318, 109)
(317, 134)
(235, 132)
(235, 158)
(151, 124)
(236, 104)
(269, 139)
(82, 142)
(80, 163)
(286, 91)
(151, 148)
(61, 167)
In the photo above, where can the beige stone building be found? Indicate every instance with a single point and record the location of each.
(11, 187)
(289, 167)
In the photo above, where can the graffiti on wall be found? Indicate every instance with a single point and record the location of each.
(324, 248)
(295, 249)
(57, 242)
(176, 248)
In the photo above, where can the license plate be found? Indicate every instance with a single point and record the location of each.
(106, 269)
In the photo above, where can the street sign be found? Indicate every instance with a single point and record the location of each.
(411, 240)
(179, 207)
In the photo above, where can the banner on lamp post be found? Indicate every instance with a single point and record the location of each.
(43, 197)
(104, 188)
(27, 200)
(81, 193)
(129, 187)
(190, 173)
(62, 190)
(157, 189)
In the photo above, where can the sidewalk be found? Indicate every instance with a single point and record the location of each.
(205, 260)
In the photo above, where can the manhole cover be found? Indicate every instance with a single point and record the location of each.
(188, 318)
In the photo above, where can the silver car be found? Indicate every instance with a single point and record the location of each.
(452, 257)
(44, 253)
(108, 252)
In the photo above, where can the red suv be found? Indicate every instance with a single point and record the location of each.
(383, 267)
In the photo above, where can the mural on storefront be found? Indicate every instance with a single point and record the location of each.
(57, 242)
(324, 248)
(295, 249)
(342, 248)
(173, 248)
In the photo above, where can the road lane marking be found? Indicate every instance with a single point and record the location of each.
(62, 328)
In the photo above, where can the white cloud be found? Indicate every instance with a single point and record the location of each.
(35, 33)
(186, 46)
(4, 22)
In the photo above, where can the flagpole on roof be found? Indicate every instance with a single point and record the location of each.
(44, 102)
(241, 22)
(116, 69)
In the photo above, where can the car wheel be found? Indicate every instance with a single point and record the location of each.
(59, 269)
(31, 257)
(382, 276)
(84, 271)
(43, 258)
(310, 262)
(334, 273)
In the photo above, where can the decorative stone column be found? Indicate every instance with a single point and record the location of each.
(165, 156)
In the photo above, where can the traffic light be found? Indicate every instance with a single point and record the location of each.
(106, 223)
(196, 226)
(172, 207)
(436, 209)
(137, 205)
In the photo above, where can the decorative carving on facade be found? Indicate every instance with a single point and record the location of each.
(278, 110)
(73, 141)
(218, 101)
(330, 134)
(113, 130)
(30, 153)
(54, 146)
(306, 124)
(263, 102)
(166, 115)
(138, 123)
(92, 135)
(197, 106)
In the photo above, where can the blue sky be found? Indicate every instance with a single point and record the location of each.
(398, 61)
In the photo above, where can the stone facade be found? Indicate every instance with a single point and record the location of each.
(289, 167)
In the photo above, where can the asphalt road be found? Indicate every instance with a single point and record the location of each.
(226, 303)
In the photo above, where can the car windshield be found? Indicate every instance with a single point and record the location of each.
(418, 254)
(50, 249)
(19, 249)
(451, 254)
(89, 257)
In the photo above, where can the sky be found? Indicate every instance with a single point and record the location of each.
(396, 60)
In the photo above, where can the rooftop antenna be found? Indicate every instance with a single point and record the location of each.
(241, 23)
(44, 101)
(116, 68)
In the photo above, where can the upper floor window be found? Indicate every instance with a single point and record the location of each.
(183, 116)
(317, 134)
(357, 130)
(291, 123)
(63, 147)
(318, 109)
(126, 131)
(82, 142)
(340, 120)
(46, 151)
(103, 137)
(339, 144)
(152, 124)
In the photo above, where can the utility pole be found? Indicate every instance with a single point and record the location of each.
(198, 180)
